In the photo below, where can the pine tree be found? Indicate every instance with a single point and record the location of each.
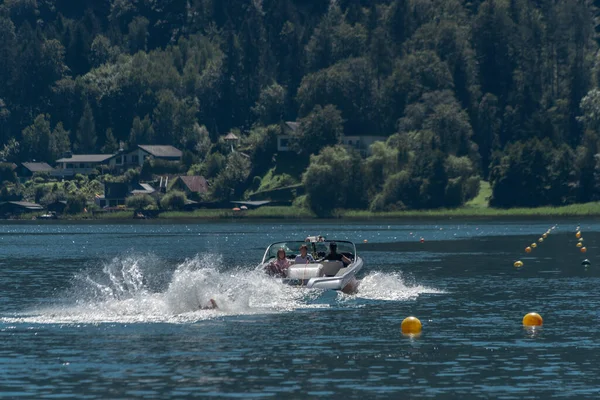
(86, 133)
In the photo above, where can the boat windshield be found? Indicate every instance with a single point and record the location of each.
(318, 249)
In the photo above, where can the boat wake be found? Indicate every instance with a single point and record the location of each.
(390, 286)
(138, 289)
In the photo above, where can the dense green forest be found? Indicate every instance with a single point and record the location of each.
(505, 90)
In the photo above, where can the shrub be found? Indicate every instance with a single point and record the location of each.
(140, 202)
(174, 200)
(76, 203)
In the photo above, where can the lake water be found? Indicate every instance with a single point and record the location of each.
(111, 311)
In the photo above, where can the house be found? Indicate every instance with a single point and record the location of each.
(84, 164)
(27, 169)
(135, 158)
(192, 186)
(289, 128)
(18, 207)
(57, 207)
(116, 193)
(362, 143)
(357, 142)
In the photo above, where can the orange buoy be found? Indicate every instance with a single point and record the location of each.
(518, 264)
(583, 249)
(527, 249)
(533, 319)
(578, 234)
(411, 326)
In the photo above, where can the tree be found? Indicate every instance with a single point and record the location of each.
(322, 127)
(333, 180)
(36, 139)
(59, 142)
(86, 132)
(110, 143)
(141, 132)
(270, 105)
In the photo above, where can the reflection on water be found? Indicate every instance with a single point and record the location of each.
(113, 311)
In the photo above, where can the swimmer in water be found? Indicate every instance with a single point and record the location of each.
(212, 305)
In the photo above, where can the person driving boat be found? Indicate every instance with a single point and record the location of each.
(335, 256)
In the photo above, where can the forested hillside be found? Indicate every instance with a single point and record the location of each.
(505, 90)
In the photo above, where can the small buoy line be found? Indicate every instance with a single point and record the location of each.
(411, 326)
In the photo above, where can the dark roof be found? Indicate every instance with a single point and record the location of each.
(92, 158)
(25, 204)
(252, 203)
(231, 136)
(37, 166)
(161, 151)
(196, 183)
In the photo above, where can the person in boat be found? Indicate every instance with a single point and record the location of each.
(279, 266)
(304, 257)
(335, 256)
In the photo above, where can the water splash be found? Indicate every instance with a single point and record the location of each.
(390, 286)
(141, 289)
(131, 289)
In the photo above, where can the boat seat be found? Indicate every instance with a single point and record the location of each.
(331, 268)
(305, 271)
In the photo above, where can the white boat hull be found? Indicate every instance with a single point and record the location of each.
(337, 282)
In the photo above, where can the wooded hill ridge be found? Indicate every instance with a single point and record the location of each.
(464, 90)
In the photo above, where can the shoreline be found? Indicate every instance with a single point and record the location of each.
(293, 213)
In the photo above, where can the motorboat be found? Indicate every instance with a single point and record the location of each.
(321, 274)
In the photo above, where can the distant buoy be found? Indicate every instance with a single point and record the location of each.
(518, 264)
(533, 319)
(540, 240)
(533, 245)
(545, 235)
(411, 326)
(578, 235)
(422, 240)
(583, 249)
(365, 241)
(586, 263)
(527, 249)
(579, 244)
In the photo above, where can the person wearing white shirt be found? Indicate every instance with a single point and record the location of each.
(304, 257)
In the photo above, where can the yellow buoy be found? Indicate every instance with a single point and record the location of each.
(545, 235)
(540, 240)
(533, 245)
(533, 319)
(583, 249)
(518, 264)
(579, 244)
(578, 235)
(527, 249)
(411, 326)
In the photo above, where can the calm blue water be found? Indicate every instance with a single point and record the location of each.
(111, 311)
